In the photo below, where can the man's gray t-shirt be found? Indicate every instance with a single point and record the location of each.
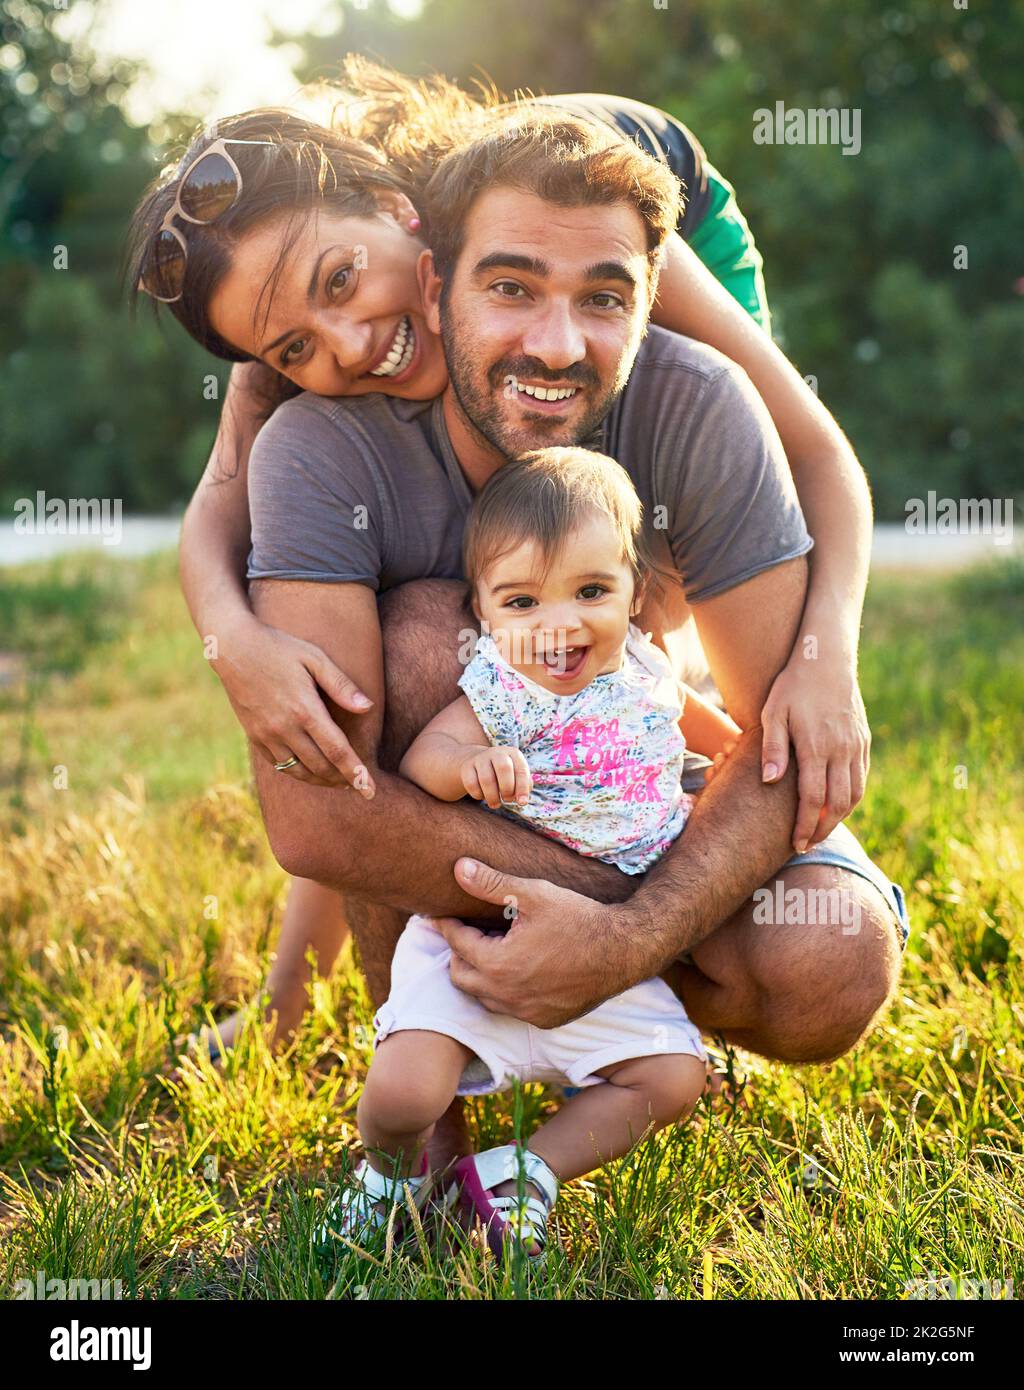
(368, 490)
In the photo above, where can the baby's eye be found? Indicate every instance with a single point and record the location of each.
(521, 602)
(592, 591)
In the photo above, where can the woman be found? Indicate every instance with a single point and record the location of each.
(194, 243)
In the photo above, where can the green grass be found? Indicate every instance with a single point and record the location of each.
(137, 892)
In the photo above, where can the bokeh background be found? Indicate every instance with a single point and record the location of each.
(919, 361)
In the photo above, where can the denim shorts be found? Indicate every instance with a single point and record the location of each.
(841, 850)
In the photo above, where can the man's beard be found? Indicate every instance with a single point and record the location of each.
(481, 406)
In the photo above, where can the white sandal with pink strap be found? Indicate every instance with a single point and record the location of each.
(506, 1219)
(364, 1208)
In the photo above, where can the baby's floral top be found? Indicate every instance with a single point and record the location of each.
(606, 762)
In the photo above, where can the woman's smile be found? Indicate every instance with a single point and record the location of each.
(367, 336)
(396, 361)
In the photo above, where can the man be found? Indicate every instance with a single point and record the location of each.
(545, 246)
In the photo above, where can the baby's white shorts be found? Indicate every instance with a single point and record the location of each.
(645, 1021)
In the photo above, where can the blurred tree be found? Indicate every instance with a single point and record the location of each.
(91, 404)
(918, 359)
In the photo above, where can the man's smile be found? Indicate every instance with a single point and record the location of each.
(542, 399)
(539, 394)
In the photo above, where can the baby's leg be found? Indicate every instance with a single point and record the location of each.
(411, 1083)
(601, 1123)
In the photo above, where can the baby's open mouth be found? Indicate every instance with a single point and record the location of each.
(399, 355)
(566, 661)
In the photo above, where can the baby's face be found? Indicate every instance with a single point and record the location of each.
(562, 628)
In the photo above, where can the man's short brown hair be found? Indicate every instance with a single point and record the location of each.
(569, 162)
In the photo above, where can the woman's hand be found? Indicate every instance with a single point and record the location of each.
(272, 681)
(817, 707)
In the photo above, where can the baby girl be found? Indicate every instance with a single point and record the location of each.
(570, 720)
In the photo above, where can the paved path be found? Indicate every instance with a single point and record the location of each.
(893, 548)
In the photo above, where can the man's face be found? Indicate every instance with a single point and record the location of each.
(543, 317)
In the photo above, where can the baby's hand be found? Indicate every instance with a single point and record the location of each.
(495, 775)
(719, 761)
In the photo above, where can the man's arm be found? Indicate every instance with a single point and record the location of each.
(738, 834)
(399, 846)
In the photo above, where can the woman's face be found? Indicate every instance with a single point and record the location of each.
(345, 317)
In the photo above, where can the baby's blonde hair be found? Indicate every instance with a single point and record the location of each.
(543, 497)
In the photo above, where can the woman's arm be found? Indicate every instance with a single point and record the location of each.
(270, 677)
(816, 700)
(215, 530)
(830, 482)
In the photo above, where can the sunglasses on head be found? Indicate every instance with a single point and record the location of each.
(210, 185)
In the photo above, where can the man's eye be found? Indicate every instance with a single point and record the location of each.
(293, 352)
(592, 591)
(508, 289)
(606, 301)
(521, 602)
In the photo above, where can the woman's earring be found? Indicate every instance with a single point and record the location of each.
(414, 224)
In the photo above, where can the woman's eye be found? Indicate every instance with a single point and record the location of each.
(293, 352)
(592, 591)
(340, 281)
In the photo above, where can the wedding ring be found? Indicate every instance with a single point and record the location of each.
(283, 767)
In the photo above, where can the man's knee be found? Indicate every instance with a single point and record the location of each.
(428, 634)
(825, 971)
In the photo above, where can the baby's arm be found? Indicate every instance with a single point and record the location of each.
(451, 758)
(707, 729)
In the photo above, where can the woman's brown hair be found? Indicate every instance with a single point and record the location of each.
(386, 134)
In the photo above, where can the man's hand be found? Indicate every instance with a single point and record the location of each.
(560, 958)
